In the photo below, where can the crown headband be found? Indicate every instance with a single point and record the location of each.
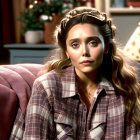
(95, 15)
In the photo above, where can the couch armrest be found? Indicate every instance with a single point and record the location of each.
(15, 90)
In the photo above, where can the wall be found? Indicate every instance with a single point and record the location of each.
(126, 24)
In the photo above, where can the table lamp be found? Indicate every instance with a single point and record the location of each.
(132, 48)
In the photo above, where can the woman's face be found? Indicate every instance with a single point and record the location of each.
(85, 47)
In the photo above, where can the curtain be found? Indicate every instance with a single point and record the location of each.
(10, 28)
(6, 29)
(18, 6)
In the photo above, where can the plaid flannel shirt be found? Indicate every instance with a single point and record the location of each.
(55, 111)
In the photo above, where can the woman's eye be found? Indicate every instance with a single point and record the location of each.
(93, 43)
(75, 45)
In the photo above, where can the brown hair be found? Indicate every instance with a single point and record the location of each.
(114, 66)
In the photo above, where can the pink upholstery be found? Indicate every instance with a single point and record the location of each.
(15, 89)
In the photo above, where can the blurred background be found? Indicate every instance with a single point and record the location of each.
(20, 18)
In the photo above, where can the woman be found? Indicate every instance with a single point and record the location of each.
(89, 93)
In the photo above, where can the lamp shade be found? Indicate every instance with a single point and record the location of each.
(132, 47)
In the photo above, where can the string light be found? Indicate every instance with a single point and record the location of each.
(35, 2)
(31, 6)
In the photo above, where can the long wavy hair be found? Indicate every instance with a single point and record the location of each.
(114, 66)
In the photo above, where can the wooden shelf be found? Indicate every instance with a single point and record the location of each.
(120, 10)
(124, 10)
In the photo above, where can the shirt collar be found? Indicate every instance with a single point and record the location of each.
(69, 87)
(104, 83)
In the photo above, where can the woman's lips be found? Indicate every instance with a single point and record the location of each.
(86, 62)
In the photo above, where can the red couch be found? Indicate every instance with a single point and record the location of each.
(15, 89)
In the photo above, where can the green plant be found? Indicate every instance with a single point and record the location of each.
(31, 17)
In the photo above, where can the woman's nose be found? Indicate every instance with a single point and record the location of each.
(85, 51)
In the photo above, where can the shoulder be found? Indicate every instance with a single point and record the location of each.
(48, 79)
(44, 88)
(53, 78)
(53, 74)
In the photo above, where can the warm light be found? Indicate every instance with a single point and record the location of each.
(31, 6)
(35, 2)
(45, 17)
(132, 47)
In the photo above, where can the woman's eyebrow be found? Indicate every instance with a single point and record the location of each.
(96, 38)
(74, 39)
(87, 39)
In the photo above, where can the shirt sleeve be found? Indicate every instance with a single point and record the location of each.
(39, 124)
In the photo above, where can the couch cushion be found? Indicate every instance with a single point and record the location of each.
(15, 90)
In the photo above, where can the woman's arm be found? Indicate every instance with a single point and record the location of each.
(39, 122)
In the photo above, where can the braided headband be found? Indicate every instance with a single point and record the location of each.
(100, 18)
(94, 14)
